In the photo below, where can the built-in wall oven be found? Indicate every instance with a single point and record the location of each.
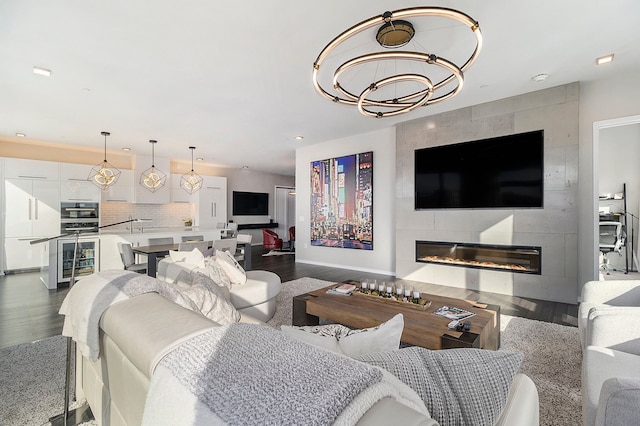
(82, 217)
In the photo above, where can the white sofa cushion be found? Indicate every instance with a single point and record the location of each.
(341, 339)
(193, 257)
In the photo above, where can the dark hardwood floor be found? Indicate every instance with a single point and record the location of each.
(29, 311)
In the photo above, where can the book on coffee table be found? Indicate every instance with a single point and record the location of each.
(453, 313)
(343, 289)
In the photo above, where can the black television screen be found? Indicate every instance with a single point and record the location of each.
(502, 172)
(250, 203)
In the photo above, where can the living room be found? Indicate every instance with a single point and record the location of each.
(571, 112)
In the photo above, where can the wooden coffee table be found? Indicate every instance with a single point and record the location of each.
(421, 327)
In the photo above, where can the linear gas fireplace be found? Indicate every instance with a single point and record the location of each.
(520, 259)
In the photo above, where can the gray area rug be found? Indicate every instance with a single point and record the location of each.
(32, 374)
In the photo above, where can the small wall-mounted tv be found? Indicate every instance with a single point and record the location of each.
(250, 203)
(501, 172)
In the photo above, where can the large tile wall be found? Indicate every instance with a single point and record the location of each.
(161, 215)
(554, 227)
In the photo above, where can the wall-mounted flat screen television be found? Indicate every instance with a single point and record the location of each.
(502, 172)
(250, 203)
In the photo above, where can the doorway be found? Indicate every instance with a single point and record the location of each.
(616, 185)
(285, 211)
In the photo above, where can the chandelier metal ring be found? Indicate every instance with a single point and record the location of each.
(362, 101)
(457, 72)
(400, 101)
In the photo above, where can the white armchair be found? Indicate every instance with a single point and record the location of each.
(603, 294)
(609, 323)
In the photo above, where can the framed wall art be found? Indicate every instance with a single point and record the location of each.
(342, 202)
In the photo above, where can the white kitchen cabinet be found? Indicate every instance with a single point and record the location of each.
(32, 210)
(74, 186)
(212, 202)
(143, 195)
(122, 191)
(31, 169)
(179, 195)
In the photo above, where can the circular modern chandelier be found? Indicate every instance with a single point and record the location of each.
(408, 85)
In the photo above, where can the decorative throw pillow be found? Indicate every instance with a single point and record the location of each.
(231, 267)
(207, 297)
(193, 257)
(209, 252)
(458, 386)
(215, 272)
(341, 339)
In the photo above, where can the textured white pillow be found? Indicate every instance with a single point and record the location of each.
(341, 339)
(215, 272)
(231, 267)
(207, 297)
(193, 257)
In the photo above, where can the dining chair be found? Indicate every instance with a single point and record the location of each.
(160, 241)
(128, 259)
(189, 238)
(190, 245)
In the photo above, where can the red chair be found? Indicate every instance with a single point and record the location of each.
(270, 240)
(292, 238)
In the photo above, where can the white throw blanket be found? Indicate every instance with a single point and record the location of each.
(245, 374)
(91, 296)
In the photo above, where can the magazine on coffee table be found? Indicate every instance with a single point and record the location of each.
(343, 289)
(453, 313)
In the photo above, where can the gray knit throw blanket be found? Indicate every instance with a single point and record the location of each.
(254, 375)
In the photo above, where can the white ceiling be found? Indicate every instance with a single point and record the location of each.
(234, 78)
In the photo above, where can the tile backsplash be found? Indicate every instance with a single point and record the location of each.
(161, 215)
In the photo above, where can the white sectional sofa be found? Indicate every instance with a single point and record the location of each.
(138, 333)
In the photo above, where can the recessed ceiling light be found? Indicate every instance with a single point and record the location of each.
(126, 148)
(604, 59)
(199, 159)
(539, 77)
(299, 138)
(245, 167)
(41, 71)
(20, 135)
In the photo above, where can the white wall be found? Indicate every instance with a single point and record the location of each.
(382, 258)
(599, 101)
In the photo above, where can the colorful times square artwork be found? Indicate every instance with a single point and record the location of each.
(342, 202)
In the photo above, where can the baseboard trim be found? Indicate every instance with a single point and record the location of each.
(354, 268)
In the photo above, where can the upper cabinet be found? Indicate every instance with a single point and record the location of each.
(31, 169)
(179, 195)
(74, 186)
(145, 196)
(122, 191)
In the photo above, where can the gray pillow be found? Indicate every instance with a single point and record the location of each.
(458, 386)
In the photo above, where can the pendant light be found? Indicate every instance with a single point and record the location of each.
(152, 178)
(191, 182)
(104, 174)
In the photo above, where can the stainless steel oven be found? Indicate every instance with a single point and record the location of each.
(83, 217)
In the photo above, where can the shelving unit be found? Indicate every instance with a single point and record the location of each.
(620, 217)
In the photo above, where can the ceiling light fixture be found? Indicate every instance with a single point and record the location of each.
(299, 138)
(104, 174)
(395, 32)
(538, 78)
(152, 178)
(199, 159)
(191, 182)
(42, 71)
(604, 59)
(126, 148)
(20, 135)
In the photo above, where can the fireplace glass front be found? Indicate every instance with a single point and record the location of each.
(520, 259)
